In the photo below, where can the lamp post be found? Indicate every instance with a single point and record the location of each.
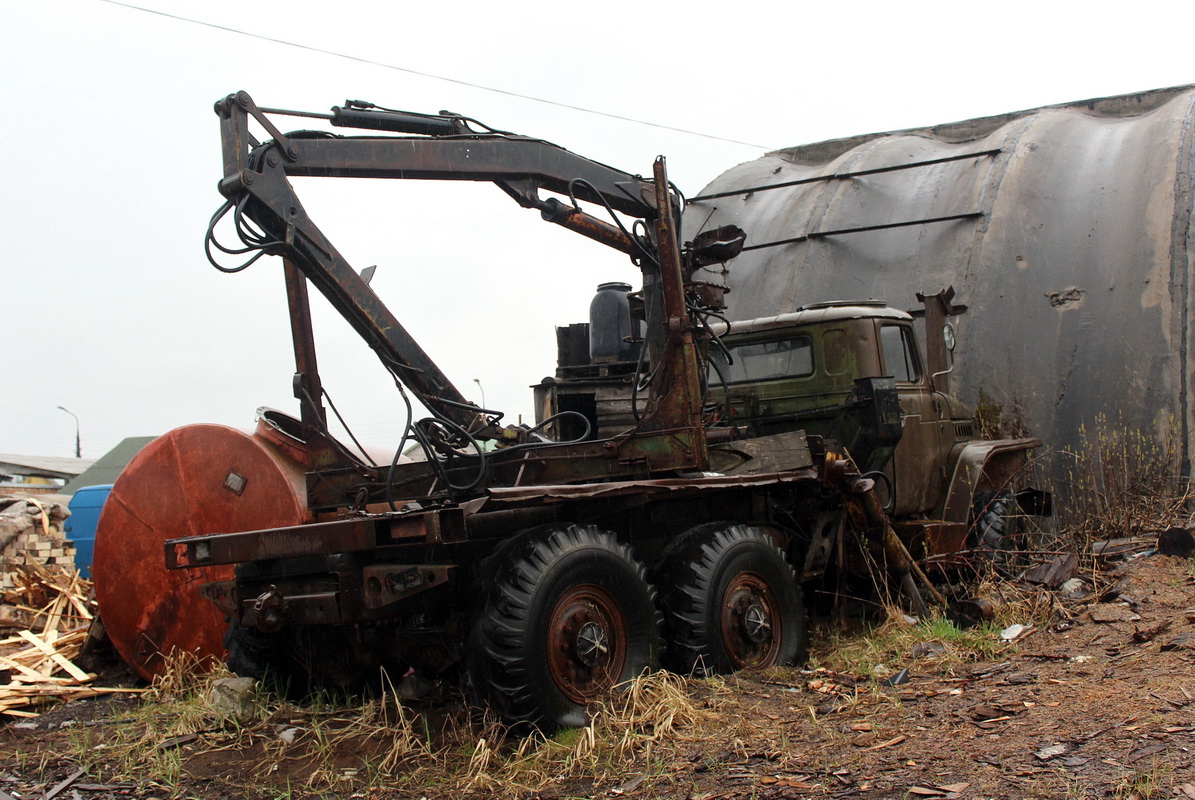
(481, 389)
(78, 444)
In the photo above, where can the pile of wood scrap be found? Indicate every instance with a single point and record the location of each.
(37, 660)
(31, 532)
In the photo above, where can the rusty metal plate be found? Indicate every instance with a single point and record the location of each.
(198, 479)
(935, 541)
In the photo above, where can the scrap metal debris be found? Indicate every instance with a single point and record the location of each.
(1053, 573)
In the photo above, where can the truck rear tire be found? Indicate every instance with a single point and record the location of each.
(249, 651)
(731, 601)
(567, 615)
(301, 660)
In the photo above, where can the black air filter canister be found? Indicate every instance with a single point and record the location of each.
(610, 325)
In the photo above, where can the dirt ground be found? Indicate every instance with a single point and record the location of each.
(1096, 700)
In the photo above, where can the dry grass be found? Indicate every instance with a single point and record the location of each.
(1123, 481)
(640, 723)
(878, 652)
(142, 742)
(325, 746)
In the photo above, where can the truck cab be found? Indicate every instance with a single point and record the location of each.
(851, 373)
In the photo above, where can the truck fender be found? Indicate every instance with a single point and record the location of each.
(988, 465)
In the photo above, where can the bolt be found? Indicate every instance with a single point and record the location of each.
(272, 160)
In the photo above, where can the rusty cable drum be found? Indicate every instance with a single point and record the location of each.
(198, 479)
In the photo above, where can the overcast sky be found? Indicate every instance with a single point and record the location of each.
(111, 159)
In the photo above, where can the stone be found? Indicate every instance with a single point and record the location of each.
(927, 649)
(1074, 589)
(232, 697)
(1176, 542)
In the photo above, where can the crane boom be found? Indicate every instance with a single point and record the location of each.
(257, 185)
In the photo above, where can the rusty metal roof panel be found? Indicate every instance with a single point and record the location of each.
(1066, 230)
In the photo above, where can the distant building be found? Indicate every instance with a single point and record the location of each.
(24, 475)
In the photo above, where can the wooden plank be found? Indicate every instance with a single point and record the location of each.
(41, 680)
(26, 671)
(80, 605)
(70, 668)
(64, 692)
(12, 712)
(50, 629)
(66, 782)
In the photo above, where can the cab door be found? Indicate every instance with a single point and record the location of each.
(917, 466)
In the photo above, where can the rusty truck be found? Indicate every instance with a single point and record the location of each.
(687, 478)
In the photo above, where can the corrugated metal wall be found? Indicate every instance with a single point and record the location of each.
(1067, 231)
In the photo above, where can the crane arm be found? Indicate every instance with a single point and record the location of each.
(257, 184)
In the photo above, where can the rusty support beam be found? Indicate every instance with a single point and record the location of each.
(936, 308)
(316, 539)
(307, 386)
(675, 399)
(865, 509)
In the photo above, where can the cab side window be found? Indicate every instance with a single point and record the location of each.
(900, 353)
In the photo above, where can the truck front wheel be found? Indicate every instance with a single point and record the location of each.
(567, 615)
(731, 601)
(997, 530)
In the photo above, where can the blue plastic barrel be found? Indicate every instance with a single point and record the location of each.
(85, 508)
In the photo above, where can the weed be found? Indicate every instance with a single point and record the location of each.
(882, 650)
(1123, 481)
(567, 737)
(1144, 783)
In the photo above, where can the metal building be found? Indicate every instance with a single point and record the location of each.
(1066, 230)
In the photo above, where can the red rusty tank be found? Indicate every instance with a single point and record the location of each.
(193, 480)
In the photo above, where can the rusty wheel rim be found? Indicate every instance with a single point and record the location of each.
(587, 643)
(750, 614)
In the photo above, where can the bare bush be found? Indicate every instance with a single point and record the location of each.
(1123, 481)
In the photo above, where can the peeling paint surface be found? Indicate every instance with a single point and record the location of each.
(1067, 298)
